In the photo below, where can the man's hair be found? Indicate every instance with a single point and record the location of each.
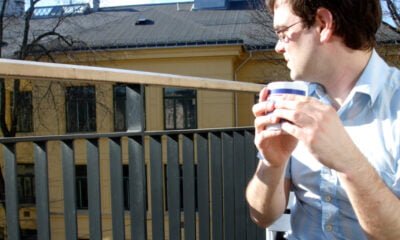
(356, 21)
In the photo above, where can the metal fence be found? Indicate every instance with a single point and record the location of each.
(216, 166)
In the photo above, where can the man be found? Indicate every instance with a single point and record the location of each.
(343, 163)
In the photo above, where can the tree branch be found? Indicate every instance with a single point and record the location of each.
(3, 124)
(2, 12)
(393, 12)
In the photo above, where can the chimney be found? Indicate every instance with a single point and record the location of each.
(14, 8)
(96, 5)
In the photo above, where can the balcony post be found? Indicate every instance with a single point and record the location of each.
(156, 181)
(11, 201)
(117, 189)
(69, 184)
(42, 190)
(94, 188)
(137, 188)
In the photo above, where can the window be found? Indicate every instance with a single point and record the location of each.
(28, 234)
(24, 112)
(119, 107)
(125, 169)
(81, 187)
(24, 108)
(26, 183)
(181, 186)
(180, 108)
(81, 109)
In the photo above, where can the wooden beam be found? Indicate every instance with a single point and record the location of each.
(54, 71)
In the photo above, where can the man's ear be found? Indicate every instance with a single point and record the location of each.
(324, 21)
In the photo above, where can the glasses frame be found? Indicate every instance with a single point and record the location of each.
(281, 33)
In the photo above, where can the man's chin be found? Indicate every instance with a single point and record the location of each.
(294, 76)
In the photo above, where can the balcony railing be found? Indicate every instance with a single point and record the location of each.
(216, 165)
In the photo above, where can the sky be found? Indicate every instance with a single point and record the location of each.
(109, 3)
(106, 3)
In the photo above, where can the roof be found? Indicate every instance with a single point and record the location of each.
(162, 25)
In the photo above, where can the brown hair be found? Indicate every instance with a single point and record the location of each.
(356, 21)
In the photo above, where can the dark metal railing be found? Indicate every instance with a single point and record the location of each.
(224, 160)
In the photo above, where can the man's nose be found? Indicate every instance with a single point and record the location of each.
(279, 48)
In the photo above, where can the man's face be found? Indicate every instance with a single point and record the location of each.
(296, 43)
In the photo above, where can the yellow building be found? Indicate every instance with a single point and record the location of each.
(184, 39)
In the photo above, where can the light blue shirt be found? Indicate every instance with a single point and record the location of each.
(371, 116)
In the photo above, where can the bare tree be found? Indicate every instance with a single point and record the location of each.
(20, 39)
(31, 44)
(393, 7)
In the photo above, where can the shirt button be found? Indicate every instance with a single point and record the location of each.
(328, 198)
(328, 228)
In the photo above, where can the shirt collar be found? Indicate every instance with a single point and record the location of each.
(372, 78)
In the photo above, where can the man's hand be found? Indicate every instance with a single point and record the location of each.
(275, 145)
(319, 128)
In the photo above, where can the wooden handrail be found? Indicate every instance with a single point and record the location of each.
(22, 69)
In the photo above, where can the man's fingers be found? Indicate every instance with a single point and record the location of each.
(263, 95)
(262, 108)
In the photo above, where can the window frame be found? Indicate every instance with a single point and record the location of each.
(26, 181)
(88, 100)
(81, 176)
(186, 123)
(24, 110)
(82, 196)
(181, 180)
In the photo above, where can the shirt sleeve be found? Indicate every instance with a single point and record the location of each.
(396, 185)
(396, 108)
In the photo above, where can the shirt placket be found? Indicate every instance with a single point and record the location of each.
(328, 190)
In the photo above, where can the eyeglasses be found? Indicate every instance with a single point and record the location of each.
(281, 33)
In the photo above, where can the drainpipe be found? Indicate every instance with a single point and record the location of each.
(241, 65)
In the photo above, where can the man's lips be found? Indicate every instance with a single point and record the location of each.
(286, 58)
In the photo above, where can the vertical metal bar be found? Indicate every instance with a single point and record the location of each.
(203, 194)
(228, 187)
(253, 232)
(117, 194)
(11, 201)
(240, 185)
(68, 163)
(253, 160)
(137, 188)
(135, 121)
(216, 186)
(173, 186)
(135, 108)
(94, 199)
(157, 210)
(188, 187)
(42, 191)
